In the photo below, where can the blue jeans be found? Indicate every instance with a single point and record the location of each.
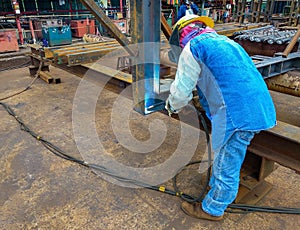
(225, 178)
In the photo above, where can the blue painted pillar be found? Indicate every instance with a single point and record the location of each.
(145, 34)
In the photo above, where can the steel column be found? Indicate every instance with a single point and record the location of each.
(269, 10)
(145, 27)
(241, 11)
(258, 11)
(32, 31)
(121, 7)
(19, 29)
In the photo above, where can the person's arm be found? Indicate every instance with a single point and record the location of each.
(188, 72)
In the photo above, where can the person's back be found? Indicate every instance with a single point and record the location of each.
(241, 85)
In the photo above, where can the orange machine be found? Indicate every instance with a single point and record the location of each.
(81, 27)
(8, 40)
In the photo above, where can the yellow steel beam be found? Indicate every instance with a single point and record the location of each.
(126, 77)
(60, 53)
(49, 51)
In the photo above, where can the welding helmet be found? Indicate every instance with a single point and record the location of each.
(174, 40)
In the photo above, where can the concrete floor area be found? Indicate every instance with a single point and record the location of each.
(39, 190)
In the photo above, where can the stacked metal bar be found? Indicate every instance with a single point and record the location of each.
(269, 34)
(266, 40)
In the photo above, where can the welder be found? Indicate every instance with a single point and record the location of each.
(234, 96)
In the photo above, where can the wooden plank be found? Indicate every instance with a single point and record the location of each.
(167, 30)
(292, 43)
(86, 46)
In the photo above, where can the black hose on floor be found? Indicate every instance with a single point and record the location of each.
(239, 208)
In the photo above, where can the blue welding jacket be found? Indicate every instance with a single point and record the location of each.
(231, 90)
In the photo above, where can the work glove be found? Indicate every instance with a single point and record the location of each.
(169, 108)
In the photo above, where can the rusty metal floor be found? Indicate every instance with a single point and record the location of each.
(39, 190)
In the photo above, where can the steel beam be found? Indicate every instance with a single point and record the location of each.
(87, 57)
(287, 108)
(280, 144)
(107, 23)
(278, 65)
(145, 33)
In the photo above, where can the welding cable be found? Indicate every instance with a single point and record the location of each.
(184, 196)
(21, 91)
(200, 197)
(245, 208)
(54, 149)
(241, 208)
(27, 87)
(60, 153)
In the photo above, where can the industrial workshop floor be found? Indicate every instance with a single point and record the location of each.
(39, 190)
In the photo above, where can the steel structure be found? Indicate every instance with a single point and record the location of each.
(280, 144)
(145, 34)
(146, 54)
(269, 67)
(255, 12)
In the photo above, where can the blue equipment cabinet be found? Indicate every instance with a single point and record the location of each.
(60, 35)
